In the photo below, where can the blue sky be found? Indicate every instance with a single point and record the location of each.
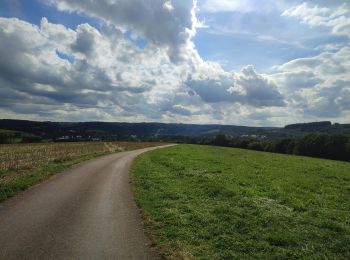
(207, 61)
(33, 10)
(258, 37)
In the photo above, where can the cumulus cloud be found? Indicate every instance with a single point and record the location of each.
(87, 68)
(88, 73)
(169, 24)
(295, 80)
(31, 70)
(243, 6)
(337, 18)
(246, 87)
(319, 85)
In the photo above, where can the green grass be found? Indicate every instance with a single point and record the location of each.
(222, 203)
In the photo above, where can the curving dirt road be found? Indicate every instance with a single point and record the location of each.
(87, 212)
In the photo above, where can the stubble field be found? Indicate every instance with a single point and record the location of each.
(22, 165)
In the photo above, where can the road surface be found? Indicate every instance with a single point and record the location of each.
(87, 212)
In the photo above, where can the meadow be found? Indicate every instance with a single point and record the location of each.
(205, 202)
(22, 165)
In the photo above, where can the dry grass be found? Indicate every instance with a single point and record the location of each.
(22, 165)
(17, 157)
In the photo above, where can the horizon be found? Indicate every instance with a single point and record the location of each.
(243, 63)
(154, 122)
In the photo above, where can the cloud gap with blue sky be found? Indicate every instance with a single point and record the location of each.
(248, 62)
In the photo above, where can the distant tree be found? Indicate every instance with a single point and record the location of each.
(313, 126)
(311, 145)
(269, 147)
(347, 149)
(8, 137)
(244, 143)
(256, 146)
(284, 146)
(31, 139)
(324, 146)
(221, 140)
(336, 147)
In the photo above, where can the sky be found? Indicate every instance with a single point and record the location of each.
(246, 62)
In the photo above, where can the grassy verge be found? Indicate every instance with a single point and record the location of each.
(223, 203)
(23, 165)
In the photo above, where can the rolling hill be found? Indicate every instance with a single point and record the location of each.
(143, 131)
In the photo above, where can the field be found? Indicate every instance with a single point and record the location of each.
(22, 165)
(202, 202)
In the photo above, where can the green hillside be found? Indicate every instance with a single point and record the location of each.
(207, 202)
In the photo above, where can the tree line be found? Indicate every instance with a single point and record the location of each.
(11, 137)
(335, 147)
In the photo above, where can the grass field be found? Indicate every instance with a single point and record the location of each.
(202, 202)
(22, 165)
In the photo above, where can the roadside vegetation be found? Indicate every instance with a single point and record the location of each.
(22, 165)
(206, 202)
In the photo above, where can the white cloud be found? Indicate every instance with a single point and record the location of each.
(242, 6)
(318, 86)
(336, 18)
(168, 6)
(105, 73)
(295, 80)
(167, 24)
(107, 77)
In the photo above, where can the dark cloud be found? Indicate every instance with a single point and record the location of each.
(84, 42)
(180, 110)
(246, 87)
(164, 23)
